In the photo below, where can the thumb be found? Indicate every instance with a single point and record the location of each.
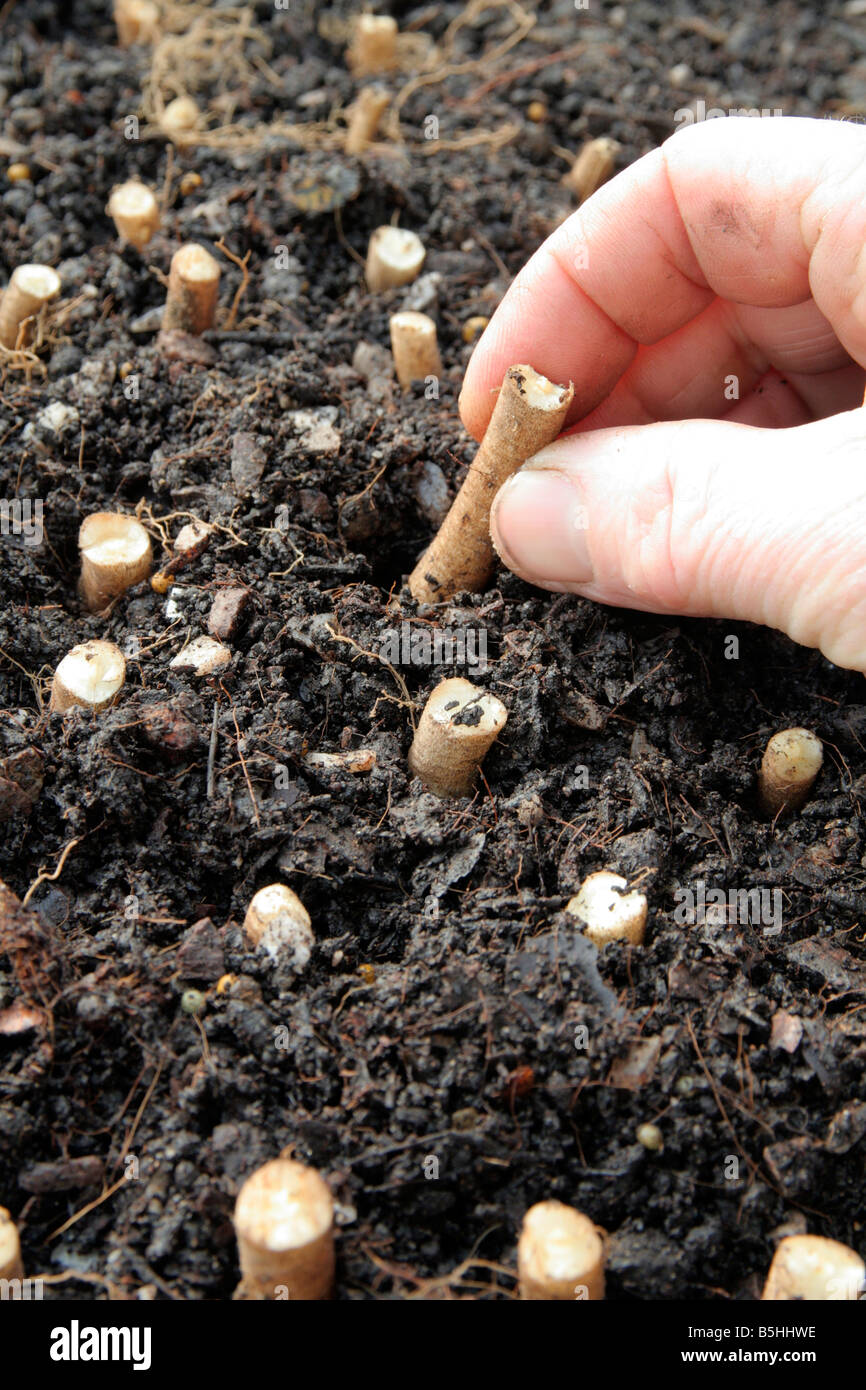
(702, 518)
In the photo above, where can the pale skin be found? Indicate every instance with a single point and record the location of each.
(737, 249)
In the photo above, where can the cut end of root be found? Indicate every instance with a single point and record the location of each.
(284, 1220)
(394, 257)
(112, 538)
(458, 724)
(193, 284)
(592, 167)
(411, 322)
(364, 118)
(414, 346)
(468, 714)
(607, 911)
(374, 44)
(10, 1249)
(90, 676)
(791, 763)
(135, 212)
(195, 264)
(137, 21)
(377, 26)
(180, 117)
(814, 1268)
(560, 1254)
(115, 555)
(278, 922)
(30, 288)
(539, 392)
(284, 1206)
(38, 281)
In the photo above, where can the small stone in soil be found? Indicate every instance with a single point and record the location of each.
(248, 463)
(227, 613)
(201, 955)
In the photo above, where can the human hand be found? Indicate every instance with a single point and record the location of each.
(733, 257)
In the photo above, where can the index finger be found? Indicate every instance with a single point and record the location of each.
(766, 212)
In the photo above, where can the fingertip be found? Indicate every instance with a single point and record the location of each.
(538, 524)
(476, 402)
(469, 414)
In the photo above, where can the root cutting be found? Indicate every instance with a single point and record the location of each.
(529, 414)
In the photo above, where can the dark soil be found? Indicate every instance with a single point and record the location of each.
(437, 1025)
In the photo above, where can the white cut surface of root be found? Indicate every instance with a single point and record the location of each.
(115, 555)
(791, 763)
(394, 257)
(608, 911)
(134, 211)
(90, 676)
(285, 1214)
(457, 726)
(284, 1222)
(30, 287)
(10, 1248)
(814, 1268)
(560, 1254)
(278, 922)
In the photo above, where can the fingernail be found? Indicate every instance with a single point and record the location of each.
(539, 526)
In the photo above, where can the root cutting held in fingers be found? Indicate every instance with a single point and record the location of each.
(529, 413)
